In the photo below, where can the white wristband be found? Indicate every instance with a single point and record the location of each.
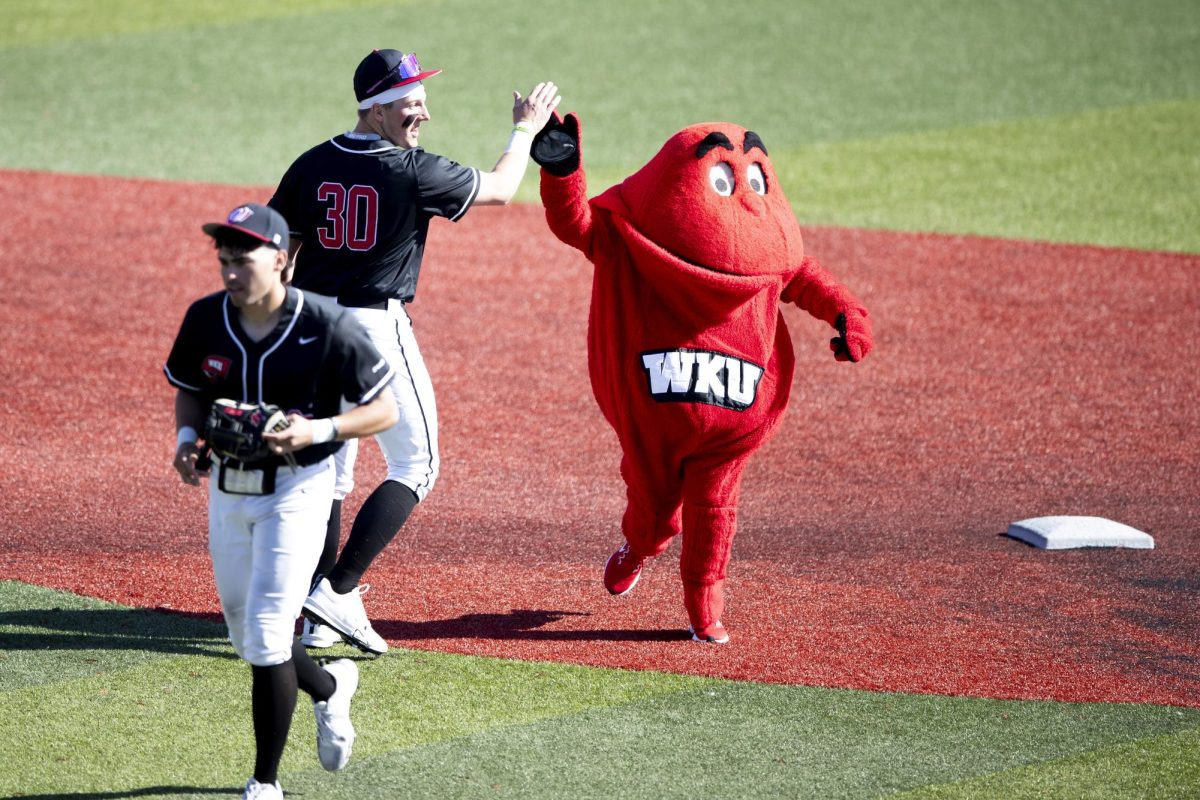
(185, 435)
(521, 139)
(323, 430)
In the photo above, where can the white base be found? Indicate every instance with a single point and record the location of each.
(1061, 533)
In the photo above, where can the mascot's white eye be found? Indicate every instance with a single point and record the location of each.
(756, 179)
(721, 178)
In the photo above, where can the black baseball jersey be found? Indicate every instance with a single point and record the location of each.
(317, 354)
(361, 206)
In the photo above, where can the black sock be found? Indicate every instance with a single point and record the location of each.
(272, 701)
(310, 677)
(377, 523)
(333, 535)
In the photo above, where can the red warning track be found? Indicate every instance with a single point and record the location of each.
(1010, 380)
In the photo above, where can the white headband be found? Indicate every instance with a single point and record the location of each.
(391, 95)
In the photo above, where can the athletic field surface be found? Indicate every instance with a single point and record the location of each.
(1010, 191)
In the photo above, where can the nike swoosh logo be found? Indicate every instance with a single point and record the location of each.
(382, 363)
(308, 339)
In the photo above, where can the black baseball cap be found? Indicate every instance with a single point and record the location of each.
(383, 70)
(257, 221)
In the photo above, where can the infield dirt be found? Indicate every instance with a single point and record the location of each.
(1010, 380)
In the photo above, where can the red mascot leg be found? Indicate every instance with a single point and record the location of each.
(707, 542)
(711, 487)
(649, 528)
(652, 519)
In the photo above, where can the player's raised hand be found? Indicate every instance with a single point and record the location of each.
(535, 109)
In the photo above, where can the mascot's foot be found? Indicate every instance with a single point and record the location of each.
(713, 634)
(705, 603)
(622, 571)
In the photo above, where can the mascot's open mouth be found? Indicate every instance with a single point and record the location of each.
(685, 265)
(698, 265)
(670, 255)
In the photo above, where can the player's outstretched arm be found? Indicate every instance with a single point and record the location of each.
(529, 116)
(369, 418)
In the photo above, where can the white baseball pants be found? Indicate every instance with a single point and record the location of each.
(410, 447)
(264, 550)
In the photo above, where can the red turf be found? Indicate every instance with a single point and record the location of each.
(1011, 380)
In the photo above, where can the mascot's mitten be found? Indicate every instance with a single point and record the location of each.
(556, 146)
(564, 184)
(855, 340)
(689, 357)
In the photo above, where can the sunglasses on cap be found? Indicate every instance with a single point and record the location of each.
(408, 68)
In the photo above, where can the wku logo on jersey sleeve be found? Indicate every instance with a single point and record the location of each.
(700, 376)
(215, 368)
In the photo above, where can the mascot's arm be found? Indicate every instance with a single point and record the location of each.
(815, 290)
(558, 149)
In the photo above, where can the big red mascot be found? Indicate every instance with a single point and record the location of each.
(689, 356)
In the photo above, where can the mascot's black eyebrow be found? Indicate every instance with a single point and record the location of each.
(753, 141)
(712, 141)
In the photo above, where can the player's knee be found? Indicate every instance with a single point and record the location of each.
(420, 484)
(264, 648)
(261, 654)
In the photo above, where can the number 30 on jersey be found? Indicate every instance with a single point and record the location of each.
(352, 212)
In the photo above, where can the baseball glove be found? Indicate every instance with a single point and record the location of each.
(235, 430)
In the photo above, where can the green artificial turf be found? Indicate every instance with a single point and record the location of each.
(1119, 177)
(747, 740)
(163, 711)
(1009, 119)
(37, 21)
(49, 637)
(1163, 767)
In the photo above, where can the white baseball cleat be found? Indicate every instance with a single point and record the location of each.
(345, 614)
(335, 732)
(314, 634)
(262, 791)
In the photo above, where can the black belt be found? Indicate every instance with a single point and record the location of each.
(303, 458)
(235, 477)
(378, 304)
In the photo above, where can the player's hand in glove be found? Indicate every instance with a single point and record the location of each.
(556, 147)
(236, 430)
(854, 340)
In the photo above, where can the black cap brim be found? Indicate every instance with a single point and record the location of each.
(213, 228)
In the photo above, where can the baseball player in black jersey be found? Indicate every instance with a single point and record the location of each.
(359, 206)
(259, 341)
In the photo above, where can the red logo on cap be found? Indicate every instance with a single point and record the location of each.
(215, 367)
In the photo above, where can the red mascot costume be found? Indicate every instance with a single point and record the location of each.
(689, 356)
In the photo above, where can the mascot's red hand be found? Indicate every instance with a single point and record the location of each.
(568, 212)
(855, 340)
(815, 291)
(556, 148)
